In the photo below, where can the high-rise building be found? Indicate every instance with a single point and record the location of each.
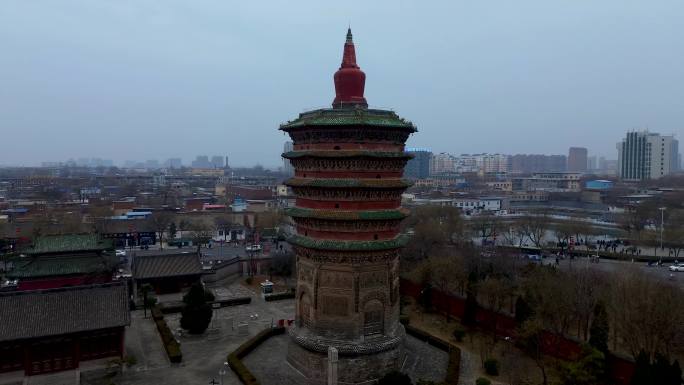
(202, 161)
(348, 163)
(492, 163)
(647, 155)
(174, 163)
(530, 163)
(419, 166)
(577, 159)
(217, 161)
(592, 163)
(287, 164)
(442, 163)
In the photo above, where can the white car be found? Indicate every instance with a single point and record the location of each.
(253, 248)
(677, 267)
(121, 253)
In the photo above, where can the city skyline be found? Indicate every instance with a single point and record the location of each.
(198, 82)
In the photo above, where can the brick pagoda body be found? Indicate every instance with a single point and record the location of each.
(348, 163)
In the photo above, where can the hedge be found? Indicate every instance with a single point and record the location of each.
(170, 344)
(177, 308)
(156, 313)
(454, 367)
(279, 296)
(235, 358)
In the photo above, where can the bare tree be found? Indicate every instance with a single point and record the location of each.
(485, 226)
(647, 314)
(161, 222)
(534, 228)
(201, 233)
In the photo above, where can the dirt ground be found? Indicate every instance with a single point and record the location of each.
(515, 367)
(279, 284)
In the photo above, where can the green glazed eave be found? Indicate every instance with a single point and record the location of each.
(299, 212)
(329, 244)
(349, 117)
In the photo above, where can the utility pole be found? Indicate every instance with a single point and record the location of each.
(662, 225)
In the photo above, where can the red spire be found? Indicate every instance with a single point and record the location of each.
(349, 79)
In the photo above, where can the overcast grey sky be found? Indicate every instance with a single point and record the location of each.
(158, 79)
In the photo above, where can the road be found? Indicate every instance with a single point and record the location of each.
(661, 273)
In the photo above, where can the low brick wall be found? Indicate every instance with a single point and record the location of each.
(558, 346)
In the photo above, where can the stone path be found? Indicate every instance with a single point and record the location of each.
(69, 377)
(144, 343)
(203, 356)
(470, 368)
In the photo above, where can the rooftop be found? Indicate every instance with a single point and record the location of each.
(165, 266)
(349, 117)
(346, 215)
(333, 182)
(42, 313)
(346, 154)
(327, 244)
(35, 267)
(69, 243)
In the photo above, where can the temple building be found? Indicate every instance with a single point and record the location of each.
(348, 163)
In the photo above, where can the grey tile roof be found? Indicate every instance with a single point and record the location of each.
(42, 313)
(160, 266)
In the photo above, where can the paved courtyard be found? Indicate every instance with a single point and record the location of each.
(203, 356)
(267, 363)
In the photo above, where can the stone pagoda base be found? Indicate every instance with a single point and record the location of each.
(358, 363)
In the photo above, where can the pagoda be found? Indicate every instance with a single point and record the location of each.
(348, 162)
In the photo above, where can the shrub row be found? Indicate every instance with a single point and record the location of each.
(177, 308)
(454, 367)
(279, 296)
(170, 344)
(235, 358)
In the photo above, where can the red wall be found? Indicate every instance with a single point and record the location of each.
(620, 369)
(56, 282)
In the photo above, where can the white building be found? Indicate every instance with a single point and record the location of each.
(647, 155)
(442, 163)
(483, 163)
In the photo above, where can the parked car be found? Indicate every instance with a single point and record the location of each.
(253, 248)
(121, 253)
(677, 267)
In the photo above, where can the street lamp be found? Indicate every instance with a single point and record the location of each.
(222, 372)
(662, 225)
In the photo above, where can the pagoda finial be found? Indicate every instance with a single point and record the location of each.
(350, 81)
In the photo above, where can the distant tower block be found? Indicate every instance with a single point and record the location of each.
(348, 163)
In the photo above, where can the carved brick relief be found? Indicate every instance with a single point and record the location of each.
(335, 306)
(335, 279)
(373, 279)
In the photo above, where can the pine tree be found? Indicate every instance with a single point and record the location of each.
(395, 378)
(196, 314)
(523, 311)
(675, 373)
(599, 329)
(642, 370)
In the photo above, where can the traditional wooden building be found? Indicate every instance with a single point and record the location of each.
(348, 163)
(63, 261)
(44, 331)
(167, 273)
